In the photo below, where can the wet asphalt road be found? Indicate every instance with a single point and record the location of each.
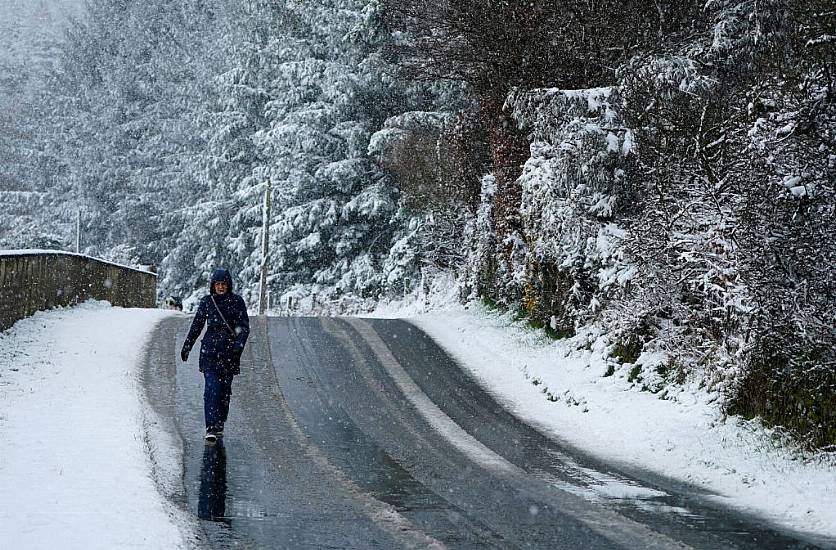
(362, 433)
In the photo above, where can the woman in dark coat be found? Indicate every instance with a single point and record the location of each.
(227, 328)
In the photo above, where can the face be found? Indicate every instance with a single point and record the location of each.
(220, 287)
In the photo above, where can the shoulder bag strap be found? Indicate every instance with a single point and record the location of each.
(222, 315)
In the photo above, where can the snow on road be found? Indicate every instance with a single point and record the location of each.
(75, 470)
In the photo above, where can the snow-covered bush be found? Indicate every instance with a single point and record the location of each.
(574, 186)
(733, 198)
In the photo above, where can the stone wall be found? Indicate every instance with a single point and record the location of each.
(35, 281)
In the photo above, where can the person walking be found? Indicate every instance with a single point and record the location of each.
(227, 327)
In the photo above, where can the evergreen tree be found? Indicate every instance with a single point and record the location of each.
(30, 37)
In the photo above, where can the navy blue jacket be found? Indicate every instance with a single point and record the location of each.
(221, 349)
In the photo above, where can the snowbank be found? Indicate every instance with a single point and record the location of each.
(74, 465)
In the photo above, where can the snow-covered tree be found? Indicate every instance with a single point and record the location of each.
(30, 38)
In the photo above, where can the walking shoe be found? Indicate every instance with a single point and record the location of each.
(210, 437)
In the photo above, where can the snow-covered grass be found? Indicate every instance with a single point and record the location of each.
(75, 470)
(561, 387)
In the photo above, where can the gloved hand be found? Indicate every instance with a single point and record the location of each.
(236, 358)
(184, 354)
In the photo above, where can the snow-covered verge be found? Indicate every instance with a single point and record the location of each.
(75, 467)
(562, 387)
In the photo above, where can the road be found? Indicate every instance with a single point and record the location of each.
(362, 433)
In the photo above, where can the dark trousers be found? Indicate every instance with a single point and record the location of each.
(217, 390)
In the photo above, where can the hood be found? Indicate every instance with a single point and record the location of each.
(220, 275)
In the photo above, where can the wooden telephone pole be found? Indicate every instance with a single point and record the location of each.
(265, 249)
(78, 231)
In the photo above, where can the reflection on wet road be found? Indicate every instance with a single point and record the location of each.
(211, 499)
(349, 433)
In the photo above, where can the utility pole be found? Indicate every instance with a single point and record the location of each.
(78, 231)
(265, 248)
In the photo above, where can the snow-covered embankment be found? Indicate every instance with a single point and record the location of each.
(75, 470)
